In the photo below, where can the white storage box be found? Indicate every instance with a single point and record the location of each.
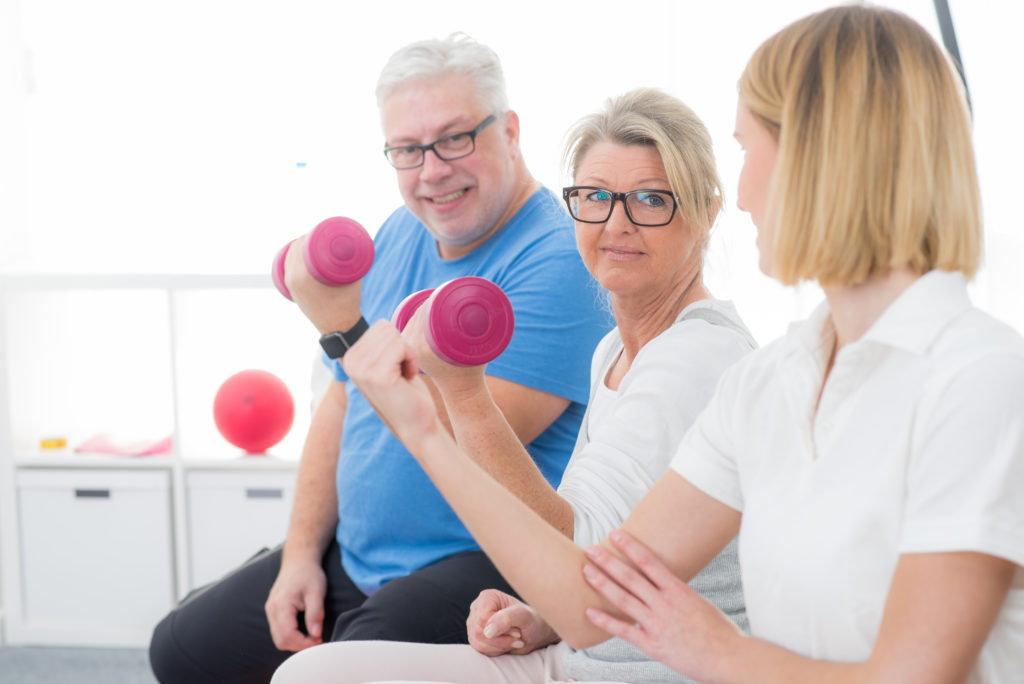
(232, 515)
(96, 555)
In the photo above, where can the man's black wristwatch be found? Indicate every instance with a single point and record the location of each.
(335, 344)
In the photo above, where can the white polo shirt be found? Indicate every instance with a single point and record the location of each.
(917, 446)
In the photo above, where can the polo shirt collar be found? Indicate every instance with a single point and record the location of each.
(815, 335)
(911, 322)
(914, 320)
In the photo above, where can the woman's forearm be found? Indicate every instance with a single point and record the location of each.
(484, 433)
(542, 564)
(921, 640)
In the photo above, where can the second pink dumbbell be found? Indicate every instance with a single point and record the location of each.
(470, 320)
(338, 251)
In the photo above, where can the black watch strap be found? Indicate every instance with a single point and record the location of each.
(335, 344)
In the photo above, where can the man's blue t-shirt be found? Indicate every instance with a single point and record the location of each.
(392, 520)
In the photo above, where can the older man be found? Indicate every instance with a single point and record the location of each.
(373, 551)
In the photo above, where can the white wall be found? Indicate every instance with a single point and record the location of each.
(199, 135)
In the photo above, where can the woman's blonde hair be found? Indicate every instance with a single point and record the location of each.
(649, 117)
(875, 168)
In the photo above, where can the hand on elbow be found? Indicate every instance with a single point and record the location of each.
(664, 617)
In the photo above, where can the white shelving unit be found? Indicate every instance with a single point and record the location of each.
(95, 548)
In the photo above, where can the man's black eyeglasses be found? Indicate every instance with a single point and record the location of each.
(589, 204)
(448, 148)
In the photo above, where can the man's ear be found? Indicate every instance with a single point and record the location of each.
(511, 131)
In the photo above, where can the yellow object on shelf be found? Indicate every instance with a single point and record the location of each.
(53, 443)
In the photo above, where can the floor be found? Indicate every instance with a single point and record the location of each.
(49, 665)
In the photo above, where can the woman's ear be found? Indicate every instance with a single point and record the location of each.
(716, 206)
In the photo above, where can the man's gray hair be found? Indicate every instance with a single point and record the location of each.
(458, 53)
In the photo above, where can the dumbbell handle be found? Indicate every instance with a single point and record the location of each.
(338, 251)
(408, 306)
(470, 321)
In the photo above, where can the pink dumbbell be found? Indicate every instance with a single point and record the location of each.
(338, 251)
(470, 320)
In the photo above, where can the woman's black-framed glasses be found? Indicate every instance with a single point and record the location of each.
(590, 204)
(448, 148)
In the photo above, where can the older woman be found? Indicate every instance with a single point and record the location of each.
(645, 197)
(872, 460)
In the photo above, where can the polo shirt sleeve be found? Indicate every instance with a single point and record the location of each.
(669, 383)
(965, 480)
(707, 455)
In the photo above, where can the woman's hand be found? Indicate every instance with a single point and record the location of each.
(670, 621)
(448, 377)
(385, 368)
(499, 624)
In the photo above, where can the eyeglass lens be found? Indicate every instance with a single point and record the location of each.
(643, 207)
(448, 148)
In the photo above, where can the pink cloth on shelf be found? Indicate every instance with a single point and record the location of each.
(102, 444)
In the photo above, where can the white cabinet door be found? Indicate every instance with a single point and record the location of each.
(232, 515)
(96, 554)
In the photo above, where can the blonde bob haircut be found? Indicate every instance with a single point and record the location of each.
(875, 168)
(649, 117)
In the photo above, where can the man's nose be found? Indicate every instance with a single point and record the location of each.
(434, 168)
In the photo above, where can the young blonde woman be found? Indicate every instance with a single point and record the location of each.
(645, 196)
(872, 461)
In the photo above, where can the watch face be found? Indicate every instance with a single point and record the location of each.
(334, 345)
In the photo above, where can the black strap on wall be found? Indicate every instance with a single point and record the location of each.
(949, 40)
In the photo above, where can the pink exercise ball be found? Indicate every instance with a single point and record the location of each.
(253, 410)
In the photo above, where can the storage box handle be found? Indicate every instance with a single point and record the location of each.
(92, 493)
(257, 493)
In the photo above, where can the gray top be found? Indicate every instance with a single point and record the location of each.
(617, 458)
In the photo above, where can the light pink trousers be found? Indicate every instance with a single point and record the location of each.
(392, 662)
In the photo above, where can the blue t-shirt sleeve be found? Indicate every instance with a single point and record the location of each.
(558, 322)
(559, 319)
(334, 365)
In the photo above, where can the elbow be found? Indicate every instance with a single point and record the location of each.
(585, 640)
(581, 633)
